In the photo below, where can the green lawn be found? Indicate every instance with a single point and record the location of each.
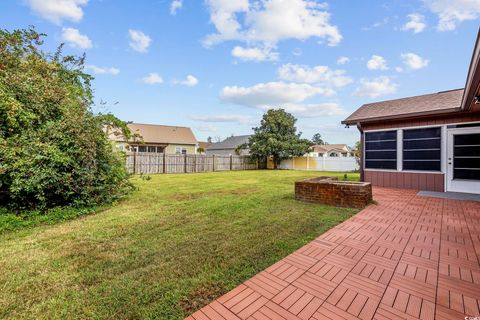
(166, 250)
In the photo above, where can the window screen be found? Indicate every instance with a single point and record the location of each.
(381, 150)
(422, 149)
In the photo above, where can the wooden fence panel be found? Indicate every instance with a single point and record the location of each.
(146, 162)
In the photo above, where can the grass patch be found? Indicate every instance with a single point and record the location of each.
(169, 248)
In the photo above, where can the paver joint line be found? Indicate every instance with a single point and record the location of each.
(384, 262)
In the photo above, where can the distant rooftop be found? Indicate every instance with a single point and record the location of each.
(155, 133)
(229, 143)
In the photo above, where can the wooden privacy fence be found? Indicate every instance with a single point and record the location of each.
(146, 162)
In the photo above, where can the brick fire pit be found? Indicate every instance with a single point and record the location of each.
(328, 190)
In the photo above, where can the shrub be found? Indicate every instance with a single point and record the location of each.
(53, 149)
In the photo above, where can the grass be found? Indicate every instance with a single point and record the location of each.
(170, 247)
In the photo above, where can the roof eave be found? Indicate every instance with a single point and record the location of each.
(402, 116)
(472, 85)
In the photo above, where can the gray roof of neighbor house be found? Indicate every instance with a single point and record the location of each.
(229, 143)
(154, 133)
(434, 103)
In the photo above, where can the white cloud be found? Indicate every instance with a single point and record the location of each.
(58, 10)
(254, 54)
(139, 41)
(315, 110)
(297, 52)
(377, 63)
(375, 87)
(153, 78)
(413, 61)
(272, 94)
(452, 12)
(103, 70)
(343, 60)
(190, 81)
(269, 22)
(317, 74)
(75, 39)
(175, 5)
(235, 118)
(416, 23)
(207, 128)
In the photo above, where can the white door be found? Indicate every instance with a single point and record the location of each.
(463, 160)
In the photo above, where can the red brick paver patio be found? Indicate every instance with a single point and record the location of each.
(407, 257)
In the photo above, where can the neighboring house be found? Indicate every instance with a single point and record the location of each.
(158, 139)
(428, 142)
(203, 145)
(229, 146)
(331, 150)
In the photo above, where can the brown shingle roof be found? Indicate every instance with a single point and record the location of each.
(154, 133)
(440, 102)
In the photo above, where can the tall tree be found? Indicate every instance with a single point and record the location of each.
(317, 139)
(53, 149)
(277, 137)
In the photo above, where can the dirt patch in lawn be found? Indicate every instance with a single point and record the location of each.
(199, 195)
(201, 296)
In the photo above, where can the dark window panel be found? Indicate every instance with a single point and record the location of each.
(142, 149)
(421, 165)
(422, 155)
(381, 164)
(381, 155)
(422, 144)
(466, 163)
(381, 135)
(389, 145)
(467, 139)
(466, 174)
(422, 133)
(467, 151)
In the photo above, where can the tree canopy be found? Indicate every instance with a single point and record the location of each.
(53, 148)
(317, 139)
(277, 137)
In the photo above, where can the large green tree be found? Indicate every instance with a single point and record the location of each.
(317, 139)
(277, 137)
(53, 149)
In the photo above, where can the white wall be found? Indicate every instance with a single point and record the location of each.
(342, 164)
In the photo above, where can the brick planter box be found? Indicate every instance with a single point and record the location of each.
(327, 190)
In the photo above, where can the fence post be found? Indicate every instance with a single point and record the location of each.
(164, 162)
(134, 162)
(213, 162)
(185, 163)
(195, 163)
(231, 158)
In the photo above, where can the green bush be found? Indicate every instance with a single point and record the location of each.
(53, 149)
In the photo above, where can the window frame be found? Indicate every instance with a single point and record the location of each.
(364, 151)
(440, 149)
(400, 130)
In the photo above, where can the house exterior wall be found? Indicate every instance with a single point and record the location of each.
(191, 149)
(419, 180)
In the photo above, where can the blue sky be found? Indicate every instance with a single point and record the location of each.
(217, 65)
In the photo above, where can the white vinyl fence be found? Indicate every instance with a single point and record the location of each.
(341, 164)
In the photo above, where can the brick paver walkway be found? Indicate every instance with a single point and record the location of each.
(407, 257)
